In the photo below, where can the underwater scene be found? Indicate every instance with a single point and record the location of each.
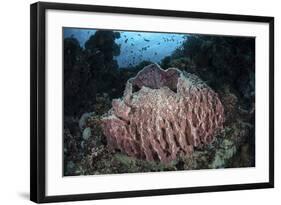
(137, 101)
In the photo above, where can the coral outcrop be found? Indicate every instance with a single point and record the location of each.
(163, 114)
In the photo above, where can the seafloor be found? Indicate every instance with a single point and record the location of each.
(92, 79)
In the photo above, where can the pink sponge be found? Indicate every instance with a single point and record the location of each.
(162, 114)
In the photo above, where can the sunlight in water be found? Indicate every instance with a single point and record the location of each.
(136, 46)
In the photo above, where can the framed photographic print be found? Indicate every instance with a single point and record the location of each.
(129, 102)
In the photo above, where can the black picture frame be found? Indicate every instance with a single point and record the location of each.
(38, 101)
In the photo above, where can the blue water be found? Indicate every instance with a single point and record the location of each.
(136, 46)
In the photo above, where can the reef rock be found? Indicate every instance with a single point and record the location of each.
(163, 114)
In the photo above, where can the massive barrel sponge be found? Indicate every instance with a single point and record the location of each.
(163, 113)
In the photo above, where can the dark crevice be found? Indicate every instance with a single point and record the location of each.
(154, 153)
(165, 138)
(135, 88)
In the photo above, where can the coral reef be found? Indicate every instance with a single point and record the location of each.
(162, 115)
(231, 148)
(92, 78)
(89, 70)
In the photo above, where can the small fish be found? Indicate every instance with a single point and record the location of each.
(146, 40)
(155, 53)
(126, 40)
(132, 44)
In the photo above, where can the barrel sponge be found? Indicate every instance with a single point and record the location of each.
(163, 114)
